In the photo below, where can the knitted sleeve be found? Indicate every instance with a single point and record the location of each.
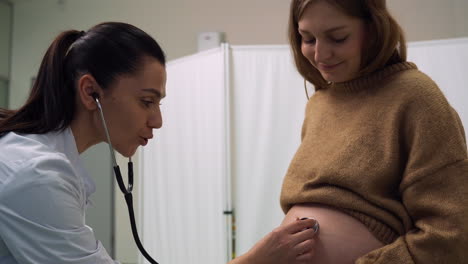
(434, 186)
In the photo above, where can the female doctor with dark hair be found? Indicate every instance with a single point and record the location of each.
(44, 187)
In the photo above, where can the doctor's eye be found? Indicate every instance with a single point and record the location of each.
(147, 103)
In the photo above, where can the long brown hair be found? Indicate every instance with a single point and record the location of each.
(106, 51)
(385, 44)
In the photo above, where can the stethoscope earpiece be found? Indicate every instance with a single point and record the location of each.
(95, 96)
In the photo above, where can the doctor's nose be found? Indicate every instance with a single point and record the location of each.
(155, 119)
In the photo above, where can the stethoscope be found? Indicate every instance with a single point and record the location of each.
(126, 191)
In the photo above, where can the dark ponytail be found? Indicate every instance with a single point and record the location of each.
(50, 104)
(106, 51)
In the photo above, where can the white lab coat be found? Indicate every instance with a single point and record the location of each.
(44, 192)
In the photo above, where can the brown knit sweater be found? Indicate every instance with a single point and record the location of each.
(389, 150)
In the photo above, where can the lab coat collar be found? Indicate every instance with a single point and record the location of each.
(74, 156)
(64, 142)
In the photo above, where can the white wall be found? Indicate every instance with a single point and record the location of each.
(431, 19)
(3, 93)
(175, 24)
(5, 37)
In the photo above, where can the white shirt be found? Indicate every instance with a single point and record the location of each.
(44, 191)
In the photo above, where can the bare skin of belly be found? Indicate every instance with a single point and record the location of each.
(341, 238)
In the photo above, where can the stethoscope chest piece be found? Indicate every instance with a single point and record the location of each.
(316, 227)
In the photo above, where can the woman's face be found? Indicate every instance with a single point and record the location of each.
(332, 41)
(132, 107)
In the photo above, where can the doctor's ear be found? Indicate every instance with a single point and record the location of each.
(88, 91)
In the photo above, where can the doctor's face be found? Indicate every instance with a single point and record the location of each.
(132, 106)
(332, 41)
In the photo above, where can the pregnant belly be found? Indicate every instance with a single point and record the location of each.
(341, 239)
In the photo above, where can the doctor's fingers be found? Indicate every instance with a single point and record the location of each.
(305, 250)
(300, 225)
(303, 236)
(305, 258)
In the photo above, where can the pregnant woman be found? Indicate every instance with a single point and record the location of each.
(383, 161)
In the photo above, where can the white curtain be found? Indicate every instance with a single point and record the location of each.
(185, 166)
(268, 103)
(237, 112)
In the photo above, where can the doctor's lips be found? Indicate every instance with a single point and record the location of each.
(144, 140)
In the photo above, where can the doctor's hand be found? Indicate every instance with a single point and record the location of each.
(288, 244)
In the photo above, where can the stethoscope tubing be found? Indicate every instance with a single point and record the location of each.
(127, 191)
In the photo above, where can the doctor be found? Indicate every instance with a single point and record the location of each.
(44, 188)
